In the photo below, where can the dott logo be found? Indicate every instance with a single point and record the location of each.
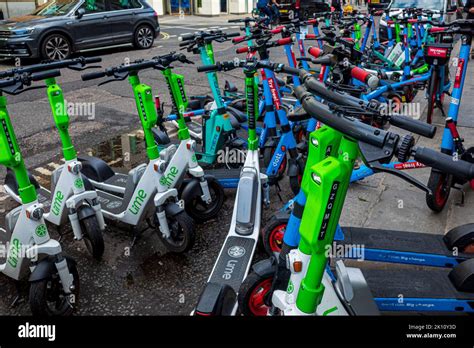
(58, 199)
(168, 179)
(137, 202)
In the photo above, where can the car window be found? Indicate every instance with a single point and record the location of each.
(94, 6)
(116, 5)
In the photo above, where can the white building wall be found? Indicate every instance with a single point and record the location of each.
(209, 7)
(14, 9)
(240, 6)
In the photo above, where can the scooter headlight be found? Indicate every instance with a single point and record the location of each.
(35, 213)
(316, 178)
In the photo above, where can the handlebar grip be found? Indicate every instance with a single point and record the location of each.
(312, 21)
(237, 40)
(93, 75)
(365, 77)
(437, 30)
(310, 36)
(90, 60)
(315, 51)
(284, 41)
(186, 37)
(184, 43)
(43, 75)
(445, 163)
(290, 70)
(238, 20)
(277, 30)
(207, 68)
(232, 35)
(242, 50)
(390, 22)
(6, 83)
(414, 126)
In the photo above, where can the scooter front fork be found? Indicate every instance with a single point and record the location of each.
(206, 194)
(76, 226)
(265, 189)
(67, 279)
(163, 221)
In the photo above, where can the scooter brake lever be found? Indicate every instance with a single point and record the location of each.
(117, 77)
(79, 67)
(378, 167)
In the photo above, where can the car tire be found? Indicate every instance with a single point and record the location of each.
(144, 37)
(56, 47)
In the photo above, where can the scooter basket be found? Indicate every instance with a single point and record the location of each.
(438, 54)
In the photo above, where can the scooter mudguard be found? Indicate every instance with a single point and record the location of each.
(230, 87)
(293, 168)
(10, 181)
(85, 211)
(173, 209)
(192, 188)
(46, 268)
(240, 116)
(459, 237)
(216, 299)
(95, 169)
(161, 137)
(265, 267)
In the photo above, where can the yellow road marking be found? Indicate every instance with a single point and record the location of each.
(166, 36)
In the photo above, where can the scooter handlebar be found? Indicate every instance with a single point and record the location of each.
(43, 75)
(414, 126)
(93, 75)
(208, 68)
(445, 163)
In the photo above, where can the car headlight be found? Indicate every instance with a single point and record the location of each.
(22, 31)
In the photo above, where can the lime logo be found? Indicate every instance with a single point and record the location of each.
(290, 288)
(168, 178)
(193, 158)
(56, 206)
(14, 253)
(138, 202)
(41, 230)
(79, 183)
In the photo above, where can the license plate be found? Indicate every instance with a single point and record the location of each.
(375, 2)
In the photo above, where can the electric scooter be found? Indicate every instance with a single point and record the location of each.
(312, 288)
(30, 252)
(69, 199)
(233, 263)
(148, 192)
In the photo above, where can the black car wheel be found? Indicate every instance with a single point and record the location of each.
(56, 47)
(144, 37)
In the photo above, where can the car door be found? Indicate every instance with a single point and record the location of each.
(121, 19)
(91, 30)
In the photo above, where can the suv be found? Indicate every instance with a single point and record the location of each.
(60, 27)
(306, 8)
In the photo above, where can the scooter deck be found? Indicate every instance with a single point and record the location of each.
(231, 267)
(227, 177)
(109, 202)
(416, 290)
(118, 179)
(402, 247)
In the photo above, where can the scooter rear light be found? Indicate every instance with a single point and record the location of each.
(298, 266)
(75, 168)
(459, 72)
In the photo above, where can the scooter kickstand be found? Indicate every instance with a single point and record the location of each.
(463, 195)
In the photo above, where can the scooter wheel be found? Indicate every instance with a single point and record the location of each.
(47, 297)
(201, 212)
(252, 294)
(272, 235)
(440, 185)
(182, 234)
(93, 238)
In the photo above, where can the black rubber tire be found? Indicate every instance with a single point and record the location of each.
(267, 158)
(39, 294)
(271, 244)
(140, 44)
(251, 286)
(184, 225)
(93, 238)
(50, 40)
(432, 91)
(217, 193)
(439, 183)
